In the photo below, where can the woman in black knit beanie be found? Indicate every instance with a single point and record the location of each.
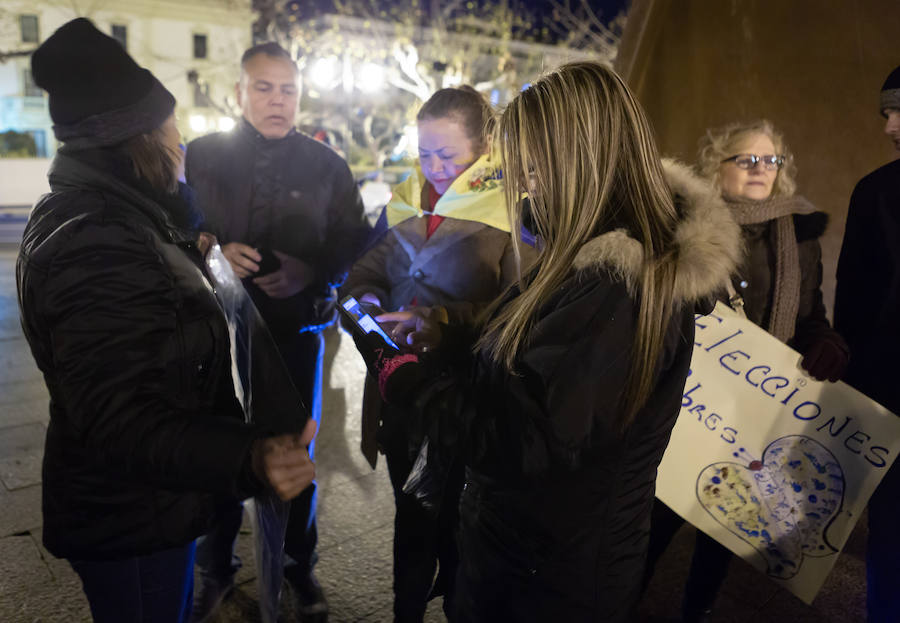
(145, 431)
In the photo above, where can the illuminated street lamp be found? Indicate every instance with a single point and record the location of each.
(370, 78)
(198, 123)
(325, 73)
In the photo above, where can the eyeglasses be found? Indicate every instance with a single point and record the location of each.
(749, 161)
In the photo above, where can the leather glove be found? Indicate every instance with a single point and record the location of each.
(826, 359)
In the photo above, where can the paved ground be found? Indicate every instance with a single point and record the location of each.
(355, 518)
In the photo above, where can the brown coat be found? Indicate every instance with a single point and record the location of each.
(462, 267)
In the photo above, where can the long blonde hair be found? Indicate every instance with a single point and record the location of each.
(579, 144)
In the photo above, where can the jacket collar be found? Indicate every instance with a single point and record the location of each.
(245, 130)
(707, 238)
(68, 172)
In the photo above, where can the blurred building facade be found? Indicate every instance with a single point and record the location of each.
(192, 47)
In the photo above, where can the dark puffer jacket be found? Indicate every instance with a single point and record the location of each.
(755, 281)
(123, 322)
(293, 195)
(555, 514)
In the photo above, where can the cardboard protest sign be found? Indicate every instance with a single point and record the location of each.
(772, 464)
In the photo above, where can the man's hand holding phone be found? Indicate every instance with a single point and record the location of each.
(292, 277)
(243, 258)
(277, 274)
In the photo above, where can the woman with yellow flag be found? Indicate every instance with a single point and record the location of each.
(447, 247)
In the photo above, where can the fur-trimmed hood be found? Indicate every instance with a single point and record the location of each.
(708, 240)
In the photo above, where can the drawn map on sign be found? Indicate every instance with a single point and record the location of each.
(781, 505)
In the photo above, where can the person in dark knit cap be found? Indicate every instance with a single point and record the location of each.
(866, 312)
(145, 433)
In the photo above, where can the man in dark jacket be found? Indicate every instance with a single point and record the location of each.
(866, 311)
(290, 220)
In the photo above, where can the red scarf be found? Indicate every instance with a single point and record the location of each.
(433, 219)
(431, 224)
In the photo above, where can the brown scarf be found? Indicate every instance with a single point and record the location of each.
(786, 298)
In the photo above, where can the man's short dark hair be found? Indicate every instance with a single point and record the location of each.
(269, 48)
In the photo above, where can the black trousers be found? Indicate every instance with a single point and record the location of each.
(709, 563)
(424, 541)
(302, 354)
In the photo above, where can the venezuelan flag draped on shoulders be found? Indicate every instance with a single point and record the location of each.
(476, 195)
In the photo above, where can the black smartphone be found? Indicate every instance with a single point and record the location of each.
(269, 262)
(362, 322)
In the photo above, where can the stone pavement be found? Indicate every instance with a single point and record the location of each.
(355, 518)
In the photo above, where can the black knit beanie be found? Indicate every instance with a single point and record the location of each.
(98, 95)
(890, 92)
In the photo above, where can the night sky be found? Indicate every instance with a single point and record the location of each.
(541, 9)
(607, 9)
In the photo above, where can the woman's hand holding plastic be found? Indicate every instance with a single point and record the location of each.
(283, 462)
(417, 327)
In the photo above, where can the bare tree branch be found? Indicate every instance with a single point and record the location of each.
(5, 56)
(423, 45)
(449, 8)
(583, 28)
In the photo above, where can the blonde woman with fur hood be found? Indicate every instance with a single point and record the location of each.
(561, 401)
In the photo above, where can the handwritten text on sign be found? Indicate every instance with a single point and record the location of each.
(774, 465)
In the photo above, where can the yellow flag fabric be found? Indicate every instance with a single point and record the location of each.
(476, 195)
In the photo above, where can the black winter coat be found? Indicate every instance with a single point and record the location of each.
(293, 195)
(555, 514)
(867, 301)
(144, 428)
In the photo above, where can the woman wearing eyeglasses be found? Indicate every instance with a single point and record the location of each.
(779, 280)
(777, 285)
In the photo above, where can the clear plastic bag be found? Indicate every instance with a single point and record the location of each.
(267, 394)
(269, 516)
(427, 480)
